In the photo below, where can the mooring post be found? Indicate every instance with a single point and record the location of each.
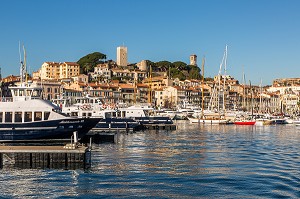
(127, 127)
(30, 160)
(48, 160)
(1, 161)
(90, 146)
(66, 160)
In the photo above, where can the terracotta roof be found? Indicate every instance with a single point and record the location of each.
(142, 85)
(126, 86)
(52, 63)
(71, 63)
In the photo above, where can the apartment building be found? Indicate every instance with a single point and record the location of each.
(55, 70)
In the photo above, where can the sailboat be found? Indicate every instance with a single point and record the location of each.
(249, 120)
(205, 118)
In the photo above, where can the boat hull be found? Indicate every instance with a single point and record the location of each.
(153, 120)
(244, 122)
(207, 121)
(117, 124)
(46, 130)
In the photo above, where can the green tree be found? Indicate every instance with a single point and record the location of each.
(180, 65)
(194, 72)
(88, 62)
(163, 65)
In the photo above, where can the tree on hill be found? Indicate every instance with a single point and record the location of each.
(88, 62)
(163, 65)
(179, 65)
(194, 72)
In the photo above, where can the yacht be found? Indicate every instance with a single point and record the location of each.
(26, 117)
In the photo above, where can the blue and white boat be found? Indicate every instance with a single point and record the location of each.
(26, 117)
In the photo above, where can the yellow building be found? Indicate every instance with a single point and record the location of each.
(55, 70)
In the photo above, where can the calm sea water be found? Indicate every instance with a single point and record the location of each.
(192, 162)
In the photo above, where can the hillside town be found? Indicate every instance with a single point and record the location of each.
(136, 83)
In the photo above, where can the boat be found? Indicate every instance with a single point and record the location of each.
(27, 117)
(117, 124)
(245, 122)
(208, 120)
(142, 113)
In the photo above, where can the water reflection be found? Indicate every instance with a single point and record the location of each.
(193, 161)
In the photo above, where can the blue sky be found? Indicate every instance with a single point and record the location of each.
(263, 36)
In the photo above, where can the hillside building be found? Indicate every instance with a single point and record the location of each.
(122, 56)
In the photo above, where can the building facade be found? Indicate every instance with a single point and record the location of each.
(122, 56)
(193, 60)
(55, 70)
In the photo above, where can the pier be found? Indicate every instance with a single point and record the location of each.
(52, 157)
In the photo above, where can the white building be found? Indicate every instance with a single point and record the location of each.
(122, 56)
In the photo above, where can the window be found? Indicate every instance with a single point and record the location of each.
(18, 116)
(1, 116)
(8, 116)
(46, 115)
(27, 116)
(37, 116)
(74, 114)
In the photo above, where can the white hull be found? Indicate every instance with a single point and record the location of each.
(207, 121)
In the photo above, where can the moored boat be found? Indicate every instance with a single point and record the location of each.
(207, 121)
(27, 117)
(245, 122)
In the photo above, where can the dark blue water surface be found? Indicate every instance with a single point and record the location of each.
(225, 161)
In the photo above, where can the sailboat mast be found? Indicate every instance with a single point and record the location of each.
(22, 65)
(244, 92)
(224, 86)
(202, 104)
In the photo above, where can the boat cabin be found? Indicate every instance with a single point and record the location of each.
(26, 105)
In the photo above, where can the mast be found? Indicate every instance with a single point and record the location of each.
(22, 65)
(224, 86)
(251, 100)
(202, 104)
(150, 86)
(244, 92)
(260, 97)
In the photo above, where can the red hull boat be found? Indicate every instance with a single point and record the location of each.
(244, 122)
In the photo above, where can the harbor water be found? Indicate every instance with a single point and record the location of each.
(195, 161)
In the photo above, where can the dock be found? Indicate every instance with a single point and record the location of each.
(41, 157)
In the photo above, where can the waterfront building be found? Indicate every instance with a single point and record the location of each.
(36, 74)
(142, 91)
(122, 56)
(51, 88)
(166, 97)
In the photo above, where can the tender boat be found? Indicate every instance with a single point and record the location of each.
(27, 117)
